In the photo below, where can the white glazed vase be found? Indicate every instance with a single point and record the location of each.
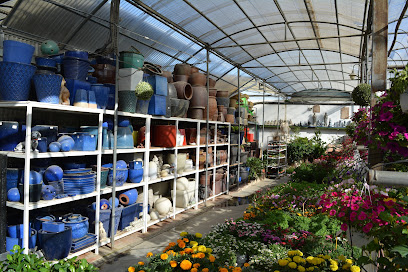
(152, 170)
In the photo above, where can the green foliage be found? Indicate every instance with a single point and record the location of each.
(322, 225)
(312, 172)
(18, 261)
(319, 244)
(144, 91)
(302, 148)
(350, 129)
(255, 167)
(277, 219)
(361, 94)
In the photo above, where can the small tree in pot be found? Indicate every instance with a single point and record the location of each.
(361, 94)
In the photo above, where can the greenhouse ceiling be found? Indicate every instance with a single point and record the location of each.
(292, 45)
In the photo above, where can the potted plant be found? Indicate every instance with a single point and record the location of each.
(361, 94)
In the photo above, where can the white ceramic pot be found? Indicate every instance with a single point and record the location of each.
(181, 161)
(154, 215)
(152, 170)
(189, 165)
(163, 205)
(182, 200)
(182, 184)
(191, 189)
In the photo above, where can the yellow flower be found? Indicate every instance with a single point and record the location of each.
(334, 267)
(193, 243)
(342, 258)
(211, 258)
(326, 257)
(298, 259)
(349, 261)
(209, 250)
(205, 270)
(301, 268)
(173, 264)
(309, 259)
(292, 265)
(246, 264)
(283, 262)
(131, 269)
(199, 235)
(149, 254)
(140, 263)
(276, 270)
(164, 256)
(346, 266)
(185, 265)
(202, 248)
(194, 270)
(184, 233)
(355, 268)
(195, 248)
(310, 268)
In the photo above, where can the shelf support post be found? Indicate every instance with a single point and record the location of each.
(207, 126)
(27, 163)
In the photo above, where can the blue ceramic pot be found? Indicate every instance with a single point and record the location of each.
(50, 132)
(53, 173)
(16, 231)
(135, 165)
(101, 93)
(91, 79)
(48, 192)
(13, 195)
(128, 215)
(13, 175)
(79, 229)
(123, 122)
(105, 218)
(42, 145)
(111, 96)
(54, 147)
(120, 164)
(9, 135)
(67, 141)
(84, 141)
(11, 242)
(77, 54)
(116, 202)
(55, 245)
(73, 85)
(125, 137)
(93, 130)
(75, 68)
(45, 62)
(104, 204)
(121, 176)
(47, 88)
(73, 165)
(135, 175)
(15, 81)
(35, 178)
(40, 219)
(128, 197)
(75, 217)
(92, 100)
(58, 186)
(14, 51)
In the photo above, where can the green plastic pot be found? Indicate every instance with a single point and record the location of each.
(130, 59)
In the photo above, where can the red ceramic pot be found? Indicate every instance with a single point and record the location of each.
(164, 135)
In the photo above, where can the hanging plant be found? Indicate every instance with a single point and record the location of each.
(361, 94)
(144, 91)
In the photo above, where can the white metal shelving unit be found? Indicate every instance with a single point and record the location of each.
(28, 156)
(276, 152)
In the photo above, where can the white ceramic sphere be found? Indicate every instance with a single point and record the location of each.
(163, 206)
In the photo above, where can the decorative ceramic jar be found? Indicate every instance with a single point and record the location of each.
(79, 228)
(48, 192)
(152, 170)
(128, 197)
(13, 195)
(163, 206)
(53, 173)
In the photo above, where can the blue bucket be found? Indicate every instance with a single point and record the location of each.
(75, 68)
(47, 88)
(15, 81)
(111, 96)
(14, 51)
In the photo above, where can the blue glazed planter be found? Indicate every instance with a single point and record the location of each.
(135, 165)
(128, 197)
(45, 62)
(77, 54)
(34, 178)
(79, 229)
(92, 100)
(84, 141)
(53, 173)
(54, 147)
(73, 165)
(121, 164)
(157, 105)
(34, 193)
(15, 81)
(75, 68)
(9, 135)
(67, 143)
(14, 51)
(13, 195)
(48, 192)
(40, 219)
(13, 175)
(101, 93)
(135, 175)
(105, 218)
(16, 231)
(73, 85)
(47, 88)
(50, 132)
(121, 176)
(125, 137)
(42, 145)
(55, 245)
(128, 215)
(116, 202)
(159, 84)
(53, 226)
(111, 96)
(11, 242)
(142, 106)
(104, 204)
(93, 130)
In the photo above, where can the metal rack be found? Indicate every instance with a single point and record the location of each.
(276, 152)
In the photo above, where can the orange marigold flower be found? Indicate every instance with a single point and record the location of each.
(194, 270)
(212, 259)
(131, 269)
(140, 263)
(188, 250)
(196, 265)
(141, 271)
(186, 240)
(222, 269)
(182, 253)
(181, 244)
(194, 255)
(246, 264)
(149, 254)
(185, 265)
(205, 270)
(173, 263)
(164, 256)
(172, 244)
(237, 269)
(200, 255)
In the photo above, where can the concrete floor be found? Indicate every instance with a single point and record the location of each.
(133, 248)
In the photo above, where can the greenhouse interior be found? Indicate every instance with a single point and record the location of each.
(219, 135)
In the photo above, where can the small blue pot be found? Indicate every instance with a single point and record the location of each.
(55, 245)
(79, 229)
(13, 195)
(11, 242)
(135, 175)
(16, 231)
(128, 215)
(54, 147)
(128, 197)
(121, 176)
(116, 202)
(67, 143)
(48, 192)
(40, 219)
(92, 99)
(47, 88)
(73, 85)
(42, 145)
(45, 62)
(135, 165)
(53, 173)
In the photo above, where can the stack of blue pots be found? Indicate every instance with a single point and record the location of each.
(158, 102)
(16, 71)
(15, 236)
(47, 83)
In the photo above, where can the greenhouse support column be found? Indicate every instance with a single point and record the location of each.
(27, 165)
(207, 127)
(263, 120)
(3, 199)
(379, 63)
(239, 131)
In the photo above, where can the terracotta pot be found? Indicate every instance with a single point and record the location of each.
(197, 79)
(218, 177)
(196, 112)
(105, 73)
(233, 102)
(222, 93)
(212, 82)
(221, 117)
(191, 135)
(199, 98)
(169, 76)
(221, 158)
(183, 78)
(230, 118)
(213, 91)
(194, 70)
(182, 69)
(202, 178)
(184, 90)
(213, 108)
(220, 108)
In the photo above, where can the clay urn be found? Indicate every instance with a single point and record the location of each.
(168, 75)
(197, 79)
(212, 82)
(213, 91)
(199, 98)
(182, 69)
(180, 78)
(184, 90)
